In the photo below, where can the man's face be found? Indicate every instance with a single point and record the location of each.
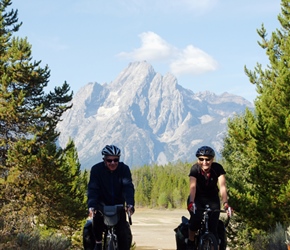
(111, 162)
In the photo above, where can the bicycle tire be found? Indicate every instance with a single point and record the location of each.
(109, 245)
(208, 242)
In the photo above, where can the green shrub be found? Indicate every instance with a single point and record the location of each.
(275, 239)
(34, 241)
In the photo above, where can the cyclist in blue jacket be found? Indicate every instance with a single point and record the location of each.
(207, 181)
(110, 184)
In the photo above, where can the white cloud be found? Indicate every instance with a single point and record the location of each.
(153, 48)
(190, 60)
(193, 61)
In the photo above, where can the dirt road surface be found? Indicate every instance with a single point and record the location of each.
(152, 229)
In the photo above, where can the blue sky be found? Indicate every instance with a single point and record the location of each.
(205, 44)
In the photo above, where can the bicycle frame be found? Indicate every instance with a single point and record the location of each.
(206, 240)
(205, 220)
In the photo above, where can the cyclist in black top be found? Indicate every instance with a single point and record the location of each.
(110, 184)
(205, 177)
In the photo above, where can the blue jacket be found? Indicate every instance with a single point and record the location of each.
(110, 187)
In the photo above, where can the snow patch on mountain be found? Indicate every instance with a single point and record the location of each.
(206, 118)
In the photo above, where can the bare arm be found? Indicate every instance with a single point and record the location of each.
(223, 188)
(192, 188)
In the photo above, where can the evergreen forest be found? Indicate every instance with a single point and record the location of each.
(42, 187)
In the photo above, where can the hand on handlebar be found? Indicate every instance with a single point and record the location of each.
(130, 209)
(229, 210)
(191, 207)
(92, 211)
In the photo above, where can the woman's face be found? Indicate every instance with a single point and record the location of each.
(205, 162)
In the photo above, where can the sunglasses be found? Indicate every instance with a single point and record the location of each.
(204, 159)
(112, 160)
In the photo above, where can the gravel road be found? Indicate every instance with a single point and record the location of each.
(152, 229)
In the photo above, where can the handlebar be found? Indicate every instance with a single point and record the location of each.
(110, 210)
(207, 209)
(228, 211)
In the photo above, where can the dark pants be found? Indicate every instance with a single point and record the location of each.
(195, 219)
(123, 230)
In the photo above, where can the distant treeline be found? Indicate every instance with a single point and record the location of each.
(162, 186)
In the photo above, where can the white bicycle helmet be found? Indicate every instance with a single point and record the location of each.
(111, 150)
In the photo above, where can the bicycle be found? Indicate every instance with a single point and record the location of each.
(111, 217)
(204, 239)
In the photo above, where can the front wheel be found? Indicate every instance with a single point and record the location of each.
(111, 243)
(208, 242)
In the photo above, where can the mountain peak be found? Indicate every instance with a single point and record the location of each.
(134, 73)
(149, 116)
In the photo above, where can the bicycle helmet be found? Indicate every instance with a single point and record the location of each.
(205, 151)
(111, 150)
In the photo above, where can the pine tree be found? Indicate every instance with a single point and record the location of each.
(257, 148)
(37, 178)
